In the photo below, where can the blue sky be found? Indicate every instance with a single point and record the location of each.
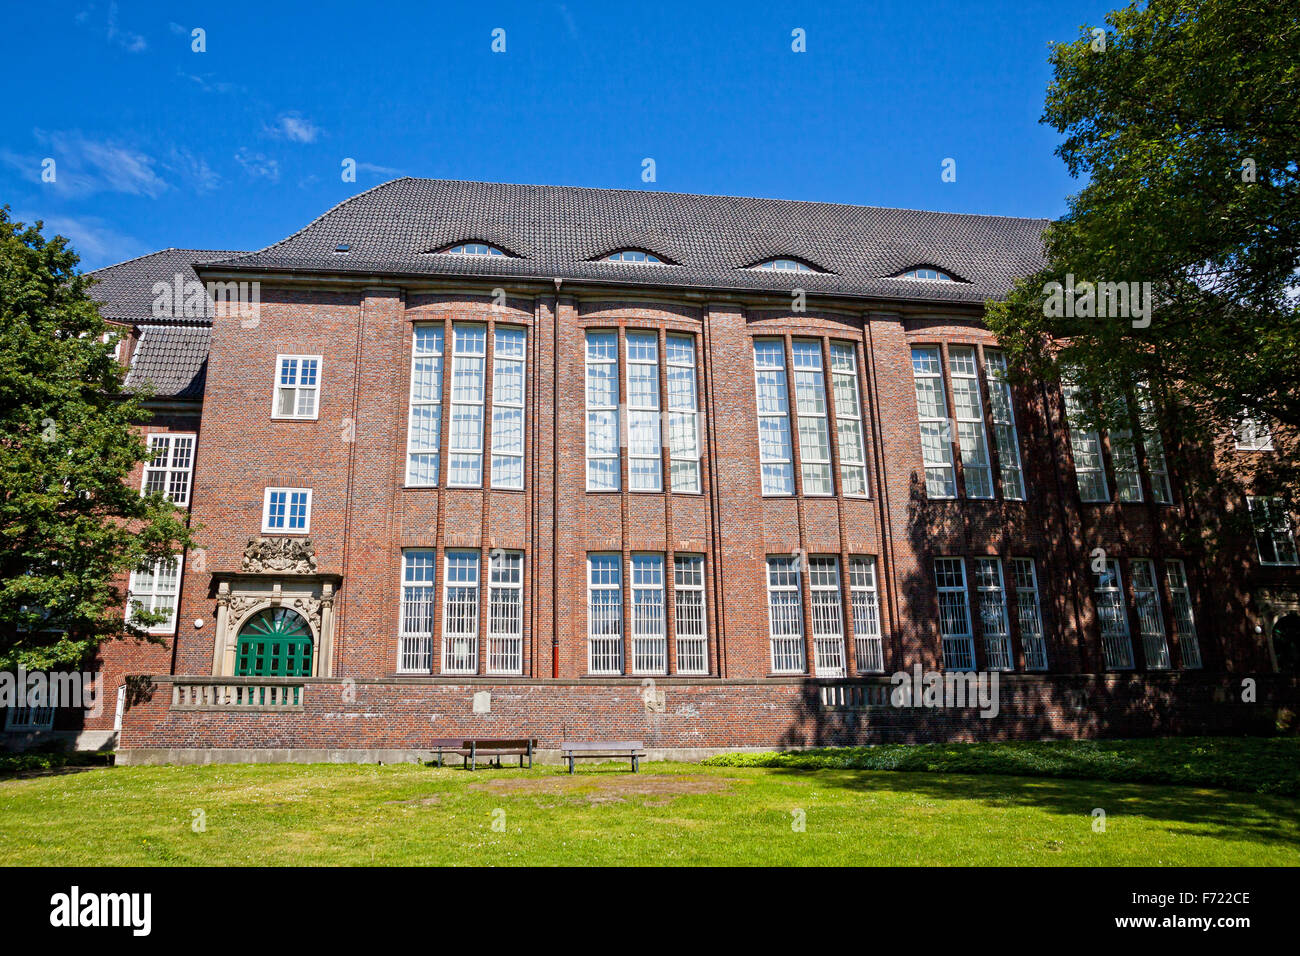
(157, 145)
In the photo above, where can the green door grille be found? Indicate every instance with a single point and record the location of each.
(275, 643)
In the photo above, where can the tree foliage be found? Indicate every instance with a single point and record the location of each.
(71, 524)
(1185, 119)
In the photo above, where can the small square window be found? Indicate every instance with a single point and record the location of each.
(297, 386)
(286, 511)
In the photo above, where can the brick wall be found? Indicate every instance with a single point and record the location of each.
(352, 457)
(354, 720)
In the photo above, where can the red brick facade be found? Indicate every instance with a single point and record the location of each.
(352, 288)
(352, 456)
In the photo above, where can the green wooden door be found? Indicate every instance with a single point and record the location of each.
(274, 643)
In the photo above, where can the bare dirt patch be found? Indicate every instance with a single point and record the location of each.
(420, 802)
(653, 790)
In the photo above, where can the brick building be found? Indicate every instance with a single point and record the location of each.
(698, 470)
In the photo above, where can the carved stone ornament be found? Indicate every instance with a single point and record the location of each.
(280, 555)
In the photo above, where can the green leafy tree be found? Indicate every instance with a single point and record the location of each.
(71, 524)
(1184, 116)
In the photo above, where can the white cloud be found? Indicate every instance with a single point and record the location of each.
(84, 166)
(295, 127)
(192, 169)
(131, 42)
(378, 170)
(208, 85)
(97, 242)
(258, 165)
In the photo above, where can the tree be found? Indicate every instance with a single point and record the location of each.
(1185, 117)
(71, 525)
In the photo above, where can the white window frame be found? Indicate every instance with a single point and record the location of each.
(957, 639)
(1029, 614)
(643, 417)
(1189, 645)
(296, 387)
(864, 594)
(784, 579)
(1153, 445)
(684, 471)
(1123, 457)
(508, 454)
(468, 455)
(995, 624)
(1151, 619)
(288, 511)
(1084, 445)
(1252, 433)
(827, 602)
(690, 614)
(772, 399)
(940, 471)
(649, 614)
(419, 594)
(461, 606)
(605, 646)
(425, 409)
(847, 394)
(608, 411)
(972, 438)
(1112, 607)
(171, 445)
(148, 597)
(1285, 533)
(1006, 438)
(813, 418)
(505, 649)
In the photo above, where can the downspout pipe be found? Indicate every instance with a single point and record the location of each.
(555, 477)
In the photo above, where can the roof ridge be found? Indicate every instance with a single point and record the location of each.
(150, 255)
(669, 192)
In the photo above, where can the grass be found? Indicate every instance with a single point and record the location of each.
(329, 814)
(1251, 764)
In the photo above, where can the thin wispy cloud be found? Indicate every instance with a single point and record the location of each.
(95, 240)
(294, 127)
(378, 170)
(258, 165)
(206, 83)
(131, 42)
(192, 170)
(84, 165)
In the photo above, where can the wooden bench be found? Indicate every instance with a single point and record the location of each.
(572, 750)
(470, 749)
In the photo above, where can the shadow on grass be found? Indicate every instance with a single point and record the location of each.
(1257, 818)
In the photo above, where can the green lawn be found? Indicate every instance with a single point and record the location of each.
(668, 814)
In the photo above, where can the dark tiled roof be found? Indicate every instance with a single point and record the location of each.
(126, 289)
(172, 360)
(555, 231)
(171, 356)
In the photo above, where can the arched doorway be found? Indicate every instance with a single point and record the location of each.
(276, 642)
(1286, 643)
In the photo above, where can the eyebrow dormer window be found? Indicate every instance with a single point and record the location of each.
(933, 275)
(784, 265)
(633, 255)
(473, 249)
